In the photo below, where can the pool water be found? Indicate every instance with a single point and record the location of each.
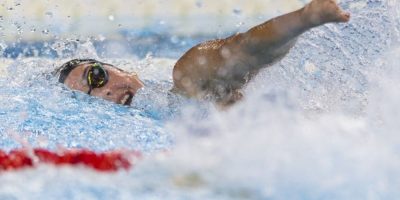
(320, 124)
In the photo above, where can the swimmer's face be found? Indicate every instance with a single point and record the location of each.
(118, 86)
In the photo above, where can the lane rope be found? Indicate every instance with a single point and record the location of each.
(109, 161)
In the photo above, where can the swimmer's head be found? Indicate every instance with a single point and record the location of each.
(100, 79)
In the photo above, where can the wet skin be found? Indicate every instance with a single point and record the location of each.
(120, 88)
(219, 69)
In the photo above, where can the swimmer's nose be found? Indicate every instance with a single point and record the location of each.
(136, 82)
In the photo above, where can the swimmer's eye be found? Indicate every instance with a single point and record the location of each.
(97, 76)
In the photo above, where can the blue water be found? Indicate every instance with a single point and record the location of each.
(136, 43)
(321, 124)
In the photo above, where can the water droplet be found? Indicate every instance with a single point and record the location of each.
(239, 24)
(33, 29)
(49, 14)
(10, 9)
(101, 38)
(19, 27)
(45, 31)
(199, 4)
(237, 11)
(59, 47)
(111, 17)
(2, 48)
(174, 39)
(162, 22)
(1, 18)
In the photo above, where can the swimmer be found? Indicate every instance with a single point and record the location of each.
(99, 79)
(215, 70)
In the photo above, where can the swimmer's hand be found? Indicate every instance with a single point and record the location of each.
(325, 11)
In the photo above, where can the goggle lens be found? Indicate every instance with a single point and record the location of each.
(97, 76)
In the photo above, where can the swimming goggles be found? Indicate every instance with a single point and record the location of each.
(96, 76)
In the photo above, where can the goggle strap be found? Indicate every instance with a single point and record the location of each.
(90, 90)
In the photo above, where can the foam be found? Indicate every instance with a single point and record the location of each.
(321, 124)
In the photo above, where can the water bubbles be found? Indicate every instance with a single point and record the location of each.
(45, 31)
(101, 38)
(358, 5)
(199, 3)
(17, 3)
(3, 47)
(175, 39)
(86, 49)
(59, 47)
(310, 67)
(237, 11)
(242, 151)
(239, 24)
(18, 27)
(49, 14)
(64, 47)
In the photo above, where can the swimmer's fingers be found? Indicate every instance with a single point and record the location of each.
(344, 16)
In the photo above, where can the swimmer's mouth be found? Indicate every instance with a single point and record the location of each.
(127, 99)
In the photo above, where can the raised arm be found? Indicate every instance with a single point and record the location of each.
(282, 29)
(220, 68)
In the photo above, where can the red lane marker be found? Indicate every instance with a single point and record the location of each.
(106, 161)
